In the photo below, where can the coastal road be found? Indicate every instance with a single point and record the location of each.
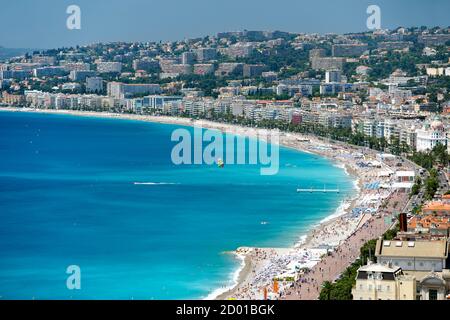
(443, 183)
(330, 268)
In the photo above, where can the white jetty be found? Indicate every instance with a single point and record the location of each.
(324, 190)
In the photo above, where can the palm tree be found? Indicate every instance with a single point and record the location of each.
(325, 293)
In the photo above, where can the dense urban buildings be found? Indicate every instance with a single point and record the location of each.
(337, 84)
(386, 90)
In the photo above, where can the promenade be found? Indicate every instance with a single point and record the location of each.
(330, 267)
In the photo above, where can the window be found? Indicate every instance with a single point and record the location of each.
(388, 288)
(360, 287)
(432, 294)
(379, 287)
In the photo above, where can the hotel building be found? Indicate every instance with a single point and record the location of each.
(109, 67)
(430, 135)
(122, 90)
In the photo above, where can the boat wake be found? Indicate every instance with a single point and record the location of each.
(154, 183)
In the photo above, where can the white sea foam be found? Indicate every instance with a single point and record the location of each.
(356, 185)
(303, 238)
(301, 241)
(340, 166)
(154, 183)
(234, 277)
(343, 206)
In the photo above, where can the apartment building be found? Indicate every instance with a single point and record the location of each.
(383, 282)
(109, 67)
(122, 90)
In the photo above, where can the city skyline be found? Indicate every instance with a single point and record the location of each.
(138, 21)
(314, 150)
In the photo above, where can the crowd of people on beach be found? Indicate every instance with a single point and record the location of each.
(366, 216)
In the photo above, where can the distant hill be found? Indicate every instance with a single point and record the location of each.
(6, 53)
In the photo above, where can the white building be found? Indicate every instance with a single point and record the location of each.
(106, 67)
(430, 135)
(94, 84)
(122, 90)
(413, 256)
(333, 76)
(404, 181)
(383, 282)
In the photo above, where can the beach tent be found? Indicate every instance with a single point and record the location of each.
(405, 176)
(386, 156)
(375, 163)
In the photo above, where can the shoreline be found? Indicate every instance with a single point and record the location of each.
(254, 261)
(238, 276)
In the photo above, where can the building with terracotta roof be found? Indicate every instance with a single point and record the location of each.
(446, 198)
(437, 207)
(431, 223)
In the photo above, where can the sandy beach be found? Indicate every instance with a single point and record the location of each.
(334, 244)
(330, 246)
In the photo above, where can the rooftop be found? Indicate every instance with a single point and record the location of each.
(397, 185)
(378, 267)
(422, 249)
(437, 206)
(428, 221)
(405, 173)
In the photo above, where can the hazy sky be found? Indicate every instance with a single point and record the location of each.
(42, 23)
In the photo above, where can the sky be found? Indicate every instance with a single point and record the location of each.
(42, 23)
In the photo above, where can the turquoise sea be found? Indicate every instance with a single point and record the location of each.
(67, 197)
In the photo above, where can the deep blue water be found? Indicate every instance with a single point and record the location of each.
(67, 197)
